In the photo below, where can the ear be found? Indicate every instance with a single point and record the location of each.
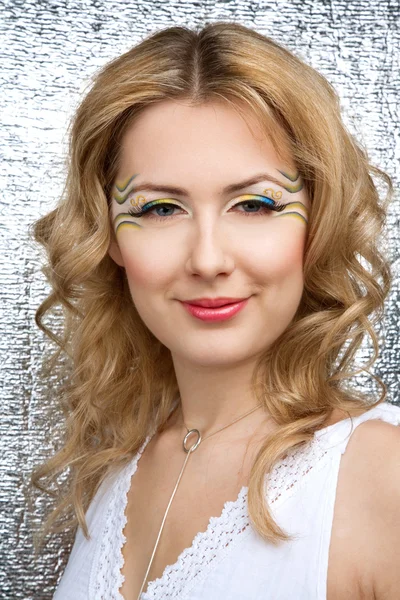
(115, 253)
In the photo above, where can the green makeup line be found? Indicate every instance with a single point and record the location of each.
(122, 187)
(294, 214)
(123, 224)
(296, 187)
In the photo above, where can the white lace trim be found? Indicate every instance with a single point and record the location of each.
(192, 564)
(210, 546)
(106, 574)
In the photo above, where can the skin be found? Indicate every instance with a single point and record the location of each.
(209, 246)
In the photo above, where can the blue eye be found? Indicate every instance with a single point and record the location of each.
(261, 201)
(149, 206)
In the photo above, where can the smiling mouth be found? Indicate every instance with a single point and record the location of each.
(214, 302)
(218, 313)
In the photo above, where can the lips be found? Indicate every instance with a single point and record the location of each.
(213, 314)
(213, 302)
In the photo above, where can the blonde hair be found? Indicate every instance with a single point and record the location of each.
(122, 381)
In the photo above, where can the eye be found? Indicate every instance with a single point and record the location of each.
(146, 210)
(266, 203)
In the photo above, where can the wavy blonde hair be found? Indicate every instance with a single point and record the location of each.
(122, 380)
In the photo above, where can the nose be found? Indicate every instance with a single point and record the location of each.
(209, 251)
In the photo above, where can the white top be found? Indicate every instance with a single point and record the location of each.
(230, 559)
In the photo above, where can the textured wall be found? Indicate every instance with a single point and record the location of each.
(48, 52)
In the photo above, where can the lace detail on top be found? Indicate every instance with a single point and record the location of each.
(208, 547)
(106, 577)
(211, 546)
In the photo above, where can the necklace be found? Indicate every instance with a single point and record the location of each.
(188, 452)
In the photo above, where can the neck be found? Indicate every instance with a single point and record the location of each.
(212, 396)
(236, 424)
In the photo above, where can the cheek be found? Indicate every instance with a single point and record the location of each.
(288, 262)
(279, 258)
(145, 261)
(280, 277)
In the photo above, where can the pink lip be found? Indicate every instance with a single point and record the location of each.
(215, 314)
(213, 302)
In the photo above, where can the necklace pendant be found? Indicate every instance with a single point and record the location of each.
(195, 445)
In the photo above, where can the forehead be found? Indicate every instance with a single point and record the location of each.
(174, 138)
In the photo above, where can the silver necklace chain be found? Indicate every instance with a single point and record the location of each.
(188, 451)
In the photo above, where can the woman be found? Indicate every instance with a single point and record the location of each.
(216, 256)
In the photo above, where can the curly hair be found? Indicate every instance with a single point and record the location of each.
(122, 380)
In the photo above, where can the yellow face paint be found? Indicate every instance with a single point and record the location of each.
(123, 189)
(297, 182)
(295, 213)
(123, 221)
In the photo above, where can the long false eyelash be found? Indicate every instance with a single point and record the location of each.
(142, 212)
(272, 205)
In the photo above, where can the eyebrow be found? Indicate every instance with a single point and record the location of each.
(229, 189)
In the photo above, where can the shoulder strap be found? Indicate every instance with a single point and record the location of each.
(337, 436)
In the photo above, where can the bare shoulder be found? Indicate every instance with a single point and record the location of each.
(371, 466)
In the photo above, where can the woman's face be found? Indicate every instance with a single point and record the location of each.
(208, 239)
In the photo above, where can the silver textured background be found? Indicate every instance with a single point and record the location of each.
(48, 52)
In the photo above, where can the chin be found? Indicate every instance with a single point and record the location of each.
(220, 354)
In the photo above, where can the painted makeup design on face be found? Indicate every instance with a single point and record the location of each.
(121, 192)
(296, 182)
(295, 209)
(269, 203)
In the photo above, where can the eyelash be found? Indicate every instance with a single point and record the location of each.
(271, 205)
